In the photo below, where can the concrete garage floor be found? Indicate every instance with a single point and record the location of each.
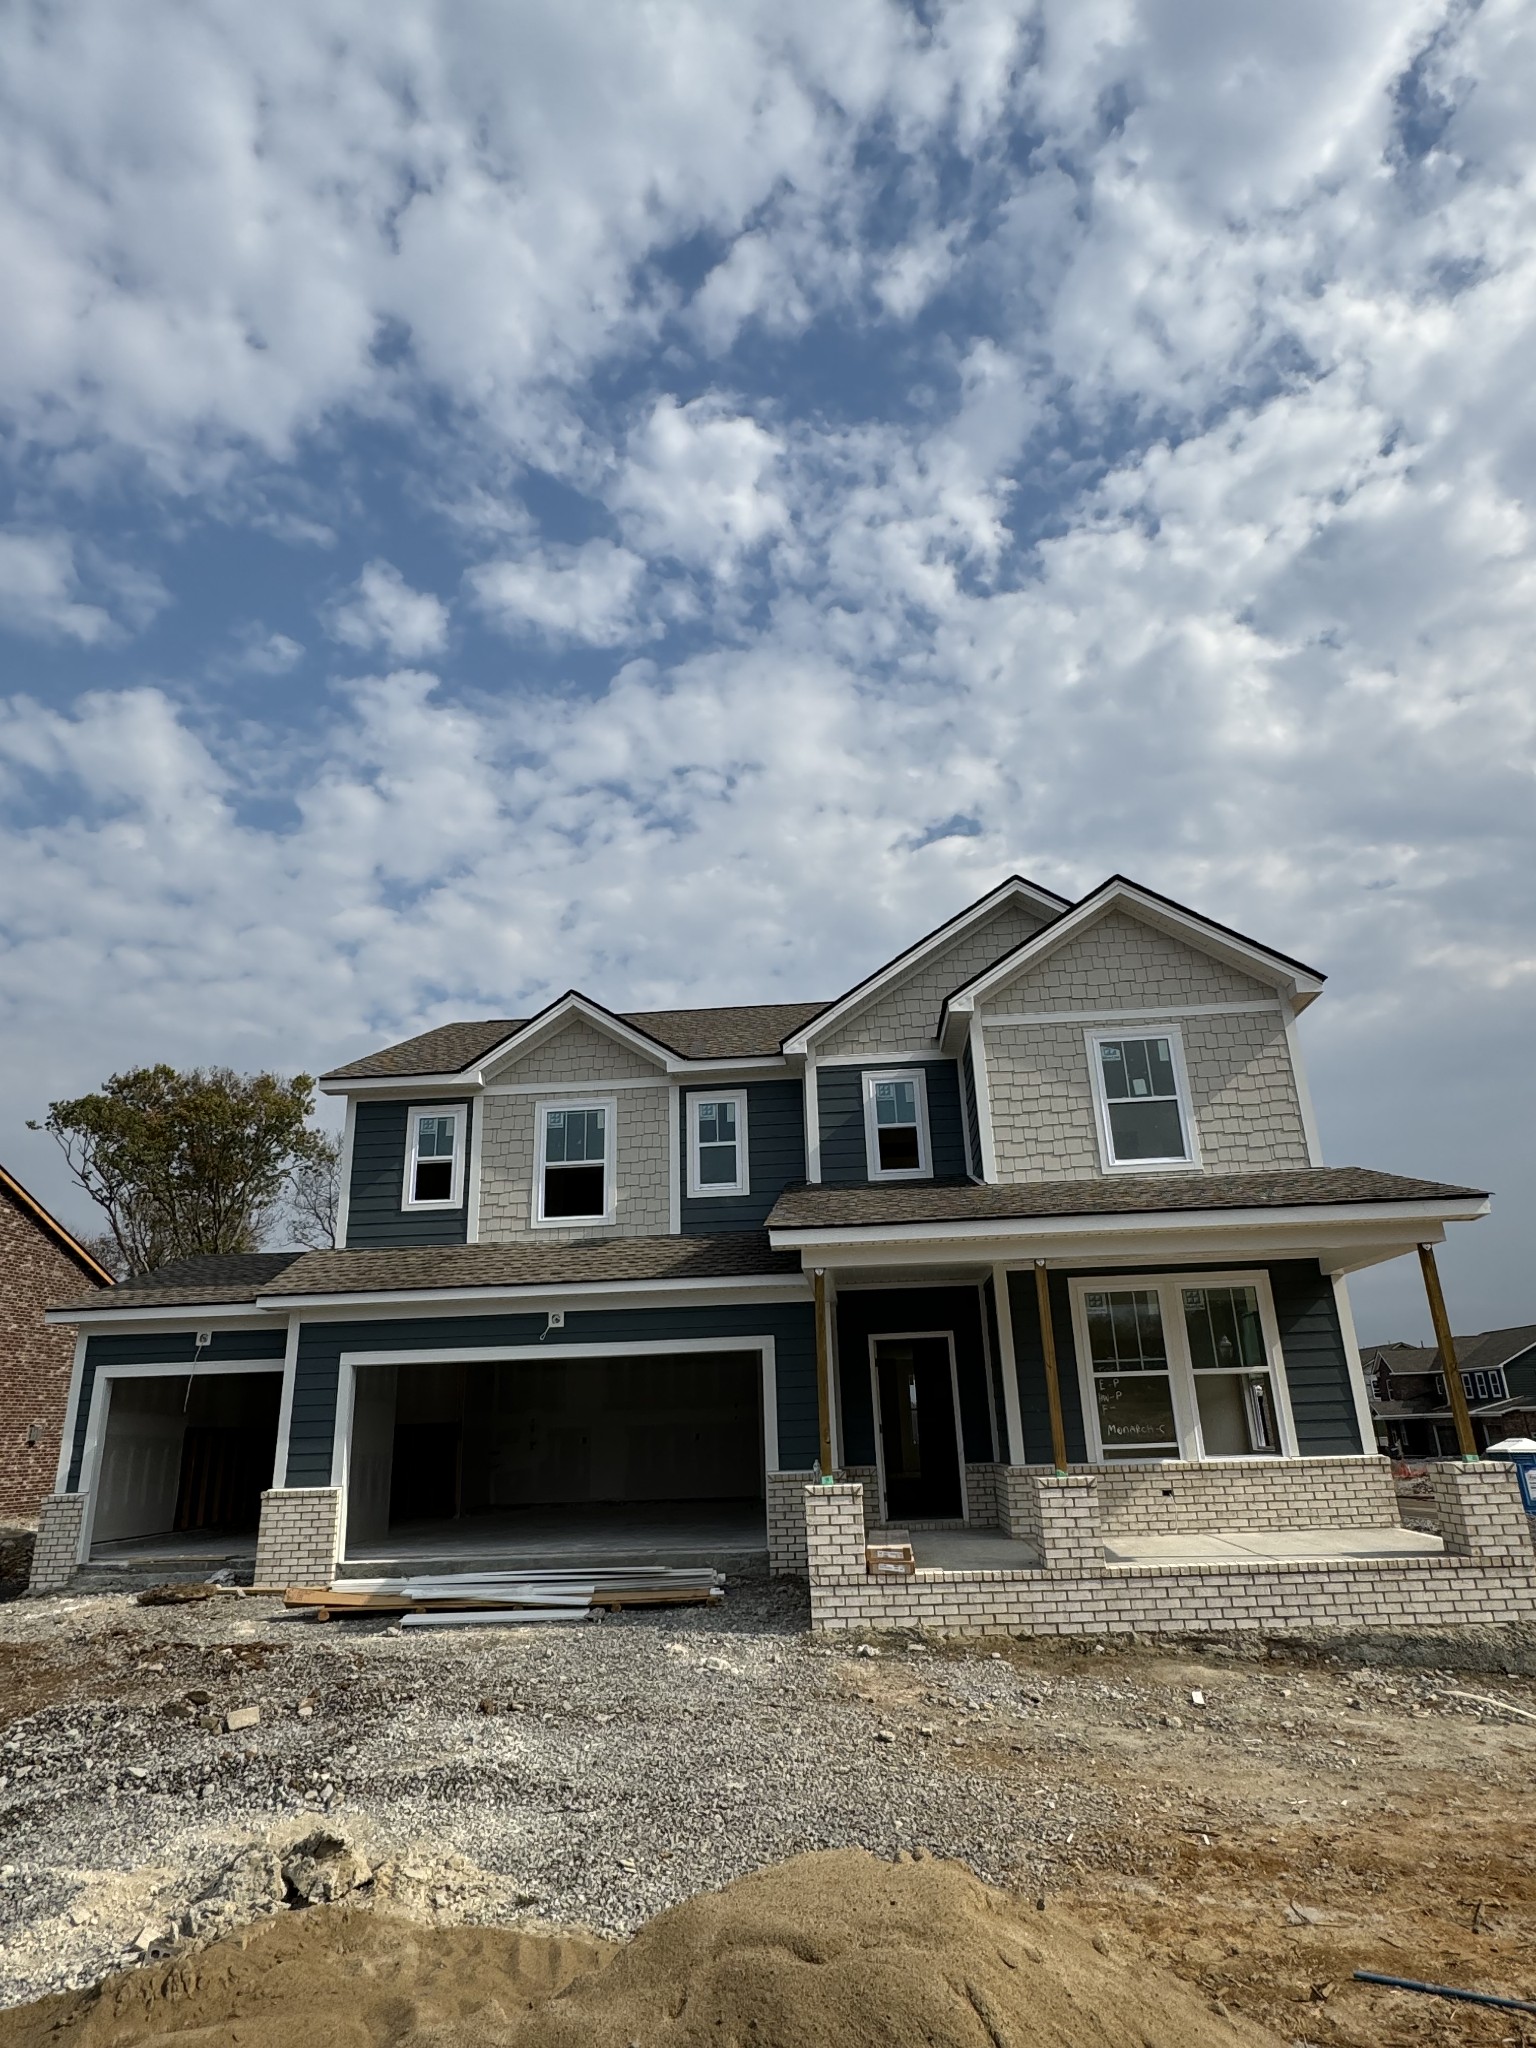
(730, 1534)
(956, 1550)
(207, 1549)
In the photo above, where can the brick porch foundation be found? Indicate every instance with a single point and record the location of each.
(1487, 1575)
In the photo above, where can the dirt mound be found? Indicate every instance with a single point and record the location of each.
(835, 1950)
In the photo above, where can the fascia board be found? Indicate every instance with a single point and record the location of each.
(459, 1087)
(173, 1315)
(1298, 985)
(802, 1041)
(592, 1294)
(455, 1087)
(1314, 1216)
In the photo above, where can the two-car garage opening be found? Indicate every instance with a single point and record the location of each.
(654, 1454)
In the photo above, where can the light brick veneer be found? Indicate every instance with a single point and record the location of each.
(1480, 1511)
(1490, 1586)
(299, 1537)
(1253, 1493)
(60, 1520)
(786, 1524)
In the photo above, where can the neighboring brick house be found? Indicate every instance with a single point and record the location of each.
(1043, 1191)
(39, 1261)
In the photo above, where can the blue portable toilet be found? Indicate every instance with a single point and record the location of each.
(1519, 1451)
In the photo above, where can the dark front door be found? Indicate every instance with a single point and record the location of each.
(916, 1400)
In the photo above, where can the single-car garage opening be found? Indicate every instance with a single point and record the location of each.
(559, 1455)
(184, 1460)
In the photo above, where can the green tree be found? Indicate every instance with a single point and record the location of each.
(187, 1163)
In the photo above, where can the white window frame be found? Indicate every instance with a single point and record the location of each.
(541, 1108)
(1117, 1034)
(459, 1111)
(742, 1185)
(1181, 1372)
(924, 1167)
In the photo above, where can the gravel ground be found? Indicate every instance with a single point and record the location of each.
(1191, 1795)
(592, 1773)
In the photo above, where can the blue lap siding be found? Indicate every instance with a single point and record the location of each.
(775, 1158)
(374, 1212)
(791, 1325)
(173, 1352)
(840, 1092)
(1316, 1368)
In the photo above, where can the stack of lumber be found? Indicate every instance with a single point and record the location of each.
(459, 1599)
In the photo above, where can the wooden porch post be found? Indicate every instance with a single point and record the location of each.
(1048, 1349)
(823, 1376)
(1447, 1343)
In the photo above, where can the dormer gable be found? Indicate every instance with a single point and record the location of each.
(576, 1039)
(1125, 944)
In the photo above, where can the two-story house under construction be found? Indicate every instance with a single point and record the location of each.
(1040, 1201)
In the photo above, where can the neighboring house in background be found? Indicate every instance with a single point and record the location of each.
(39, 1261)
(1408, 1398)
(599, 1271)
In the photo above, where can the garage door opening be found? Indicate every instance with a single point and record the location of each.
(184, 1461)
(556, 1454)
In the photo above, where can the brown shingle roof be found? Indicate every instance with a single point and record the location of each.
(745, 1031)
(222, 1278)
(720, 1255)
(265, 1276)
(861, 1206)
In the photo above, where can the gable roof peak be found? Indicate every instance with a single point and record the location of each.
(1013, 885)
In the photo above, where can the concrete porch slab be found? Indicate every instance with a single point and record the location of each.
(1271, 1546)
(972, 1550)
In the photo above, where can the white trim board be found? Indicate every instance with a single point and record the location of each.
(95, 1428)
(491, 1354)
(344, 1170)
(1151, 1012)
(585, 1294)
(875, 1340)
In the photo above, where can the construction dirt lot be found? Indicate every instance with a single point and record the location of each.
(1191, 1843)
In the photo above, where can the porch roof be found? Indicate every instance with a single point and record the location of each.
(860, 1205)
(275, 1280)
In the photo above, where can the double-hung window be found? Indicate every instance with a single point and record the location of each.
(717, 1144)
(896, 1126)
(574, 1168)
(434, 1157)
(1180, 1368)
(1142, 1099)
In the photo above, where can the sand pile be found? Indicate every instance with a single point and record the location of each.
(837, 1950)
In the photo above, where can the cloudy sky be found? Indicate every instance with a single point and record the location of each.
(677, 498)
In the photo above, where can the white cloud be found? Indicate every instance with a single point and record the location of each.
(38, 590)
(261, 651)
(700, 484)
(1151, 488)
(584, 594)
(386, 613)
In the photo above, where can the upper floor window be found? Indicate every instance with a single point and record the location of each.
(896, 1126)
(434, 1162)
(717, 1144)
(574, 1170)
(1142, 1098)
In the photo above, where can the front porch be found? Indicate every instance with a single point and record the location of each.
(1056, 1573)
